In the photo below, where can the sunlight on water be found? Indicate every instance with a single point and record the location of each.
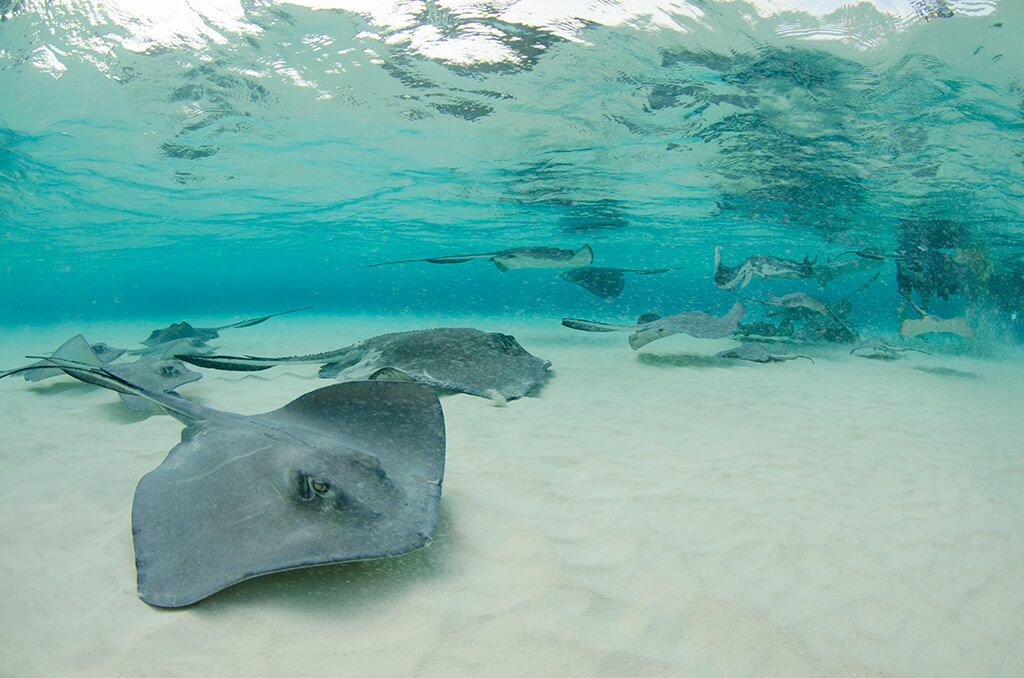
(153, 147)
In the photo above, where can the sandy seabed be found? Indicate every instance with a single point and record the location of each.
(652, 513)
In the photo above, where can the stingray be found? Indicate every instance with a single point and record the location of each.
(834, 268)
(929, 323)
(485, 364)
(759, 353)
(758, 266)
(151, 373)
(879, 349)
(71, 349)
(517, 257)
(603, 282)
(344, 473)
(200, 335)
(651, 326)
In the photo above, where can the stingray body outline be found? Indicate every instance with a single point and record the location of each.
(153, 373)
(463, 359)
(346, 472)
(515, 257)
(757, 352)
(197, 336)
(604, 281)
(761, 266)
(651, 327)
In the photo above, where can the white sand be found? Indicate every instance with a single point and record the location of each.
(660, 516)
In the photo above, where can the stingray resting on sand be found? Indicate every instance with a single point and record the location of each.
(759, 353)
(485, 364)
(343, 473)
(650, 326)
(517, 257)
(151, 373)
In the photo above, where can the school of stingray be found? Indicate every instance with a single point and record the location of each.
(353, 471)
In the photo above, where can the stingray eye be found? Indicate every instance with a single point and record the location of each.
(310, 487)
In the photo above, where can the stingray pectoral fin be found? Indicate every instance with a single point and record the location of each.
(641, 338)
(584, 257)
(229, 363)
(592, 325)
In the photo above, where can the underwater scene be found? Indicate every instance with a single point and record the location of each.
(458, 338)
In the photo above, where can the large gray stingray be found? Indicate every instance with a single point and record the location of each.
(343, 473)
(651, 326)
(152, 373)
(486, 364)
(605, 282)
(516, 257)
(200, 335)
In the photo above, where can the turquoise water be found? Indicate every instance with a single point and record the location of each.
(184, 160)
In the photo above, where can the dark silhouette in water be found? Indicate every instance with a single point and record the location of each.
(604, 282)
(728, 278)
(517, 257)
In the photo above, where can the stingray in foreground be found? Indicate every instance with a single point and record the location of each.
(343, 473)
(650, 326)
(517, 257)
(604, 282)
(485, 364)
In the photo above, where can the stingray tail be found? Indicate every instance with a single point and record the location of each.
(230, 363)
(256, 321)
(131, 393)
(589, 325)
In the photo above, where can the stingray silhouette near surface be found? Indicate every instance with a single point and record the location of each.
(485, 364)
(605, 282)
(516, 257)
(344, 473)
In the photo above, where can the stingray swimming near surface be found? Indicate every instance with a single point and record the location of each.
(516, 257)
(196, 336)
(605, 282)
(486, 364)
(760, 266)
(865, 260)
(650, 327)
(150, 373)
(346, 472)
